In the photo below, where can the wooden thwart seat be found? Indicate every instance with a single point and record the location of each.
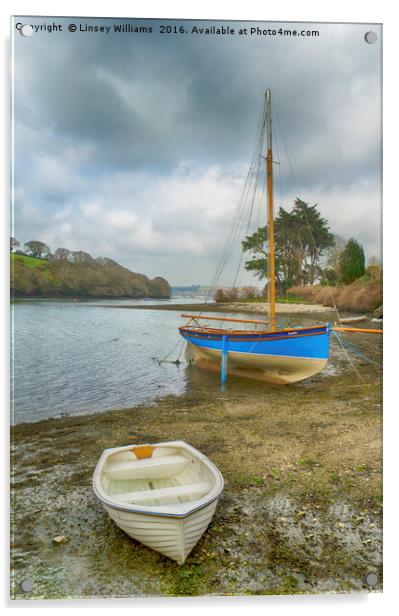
(175, 492)
(142, 468)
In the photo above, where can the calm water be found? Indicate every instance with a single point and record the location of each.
(77, 357)
(72, 358)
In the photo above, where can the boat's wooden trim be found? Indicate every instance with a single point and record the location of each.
(215, 334)
(130, 508)
(200, 316)
(360, 330)
(228, 332)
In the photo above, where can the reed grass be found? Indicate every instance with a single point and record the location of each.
(360, 296)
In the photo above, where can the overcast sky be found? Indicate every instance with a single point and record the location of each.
(136, 146)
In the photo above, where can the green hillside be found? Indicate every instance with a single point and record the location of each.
(35, 277)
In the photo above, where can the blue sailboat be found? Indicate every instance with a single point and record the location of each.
(280, 356)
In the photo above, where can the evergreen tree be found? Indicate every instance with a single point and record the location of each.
(352, 262)
(301, 237)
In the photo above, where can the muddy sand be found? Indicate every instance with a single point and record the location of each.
(301, 510)
(249, 307)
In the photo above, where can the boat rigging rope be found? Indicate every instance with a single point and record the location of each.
(177, 361)
(347, 357)
(248, 224)
(243, 205)
(355, 349)
(306, 218)
(255, 177)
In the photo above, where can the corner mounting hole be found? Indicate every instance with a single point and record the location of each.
(370, 37)
(26, 30)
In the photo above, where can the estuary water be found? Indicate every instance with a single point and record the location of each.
(82, 357)
(71, 358)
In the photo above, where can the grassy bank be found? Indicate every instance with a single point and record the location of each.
(301, 510)
(360, 296)
(82, 277)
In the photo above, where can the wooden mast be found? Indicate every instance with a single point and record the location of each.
(270, 221)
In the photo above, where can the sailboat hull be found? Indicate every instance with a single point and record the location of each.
(281, 358)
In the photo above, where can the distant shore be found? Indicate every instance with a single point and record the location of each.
(253, 307)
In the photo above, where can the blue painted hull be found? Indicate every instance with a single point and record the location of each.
(284, 356)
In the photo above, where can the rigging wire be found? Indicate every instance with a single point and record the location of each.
(249, 221)
(345, 345)
(256, 181)
(244, 209)
(306, 218)
(348, 357)
(280, 191)
(352, 347)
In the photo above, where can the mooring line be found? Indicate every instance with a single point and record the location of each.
(347, 356)
(177, 361)
(356, 351)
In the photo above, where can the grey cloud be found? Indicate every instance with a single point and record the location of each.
(152, 103)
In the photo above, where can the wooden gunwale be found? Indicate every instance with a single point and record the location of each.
(228, 332)
(265, 336)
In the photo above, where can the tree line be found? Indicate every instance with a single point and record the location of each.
(40, 250)
(76, 273)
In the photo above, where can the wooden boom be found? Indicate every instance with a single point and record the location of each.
(360, 330)
(199, 316)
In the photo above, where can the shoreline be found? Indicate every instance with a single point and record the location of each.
(258, 308)
(254, 308)
(302, 469)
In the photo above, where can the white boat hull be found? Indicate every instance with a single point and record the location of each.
(163, 495)
(172, 537)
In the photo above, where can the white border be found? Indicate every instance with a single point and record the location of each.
(284, 10)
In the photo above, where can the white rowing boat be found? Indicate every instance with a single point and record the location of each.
(163, 495)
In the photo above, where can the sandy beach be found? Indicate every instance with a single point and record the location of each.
(262, 307)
